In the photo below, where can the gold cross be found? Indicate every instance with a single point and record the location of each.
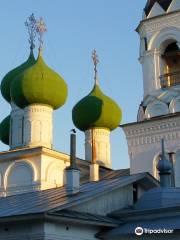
(41, 29)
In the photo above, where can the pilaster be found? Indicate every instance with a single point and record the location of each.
(16, 127)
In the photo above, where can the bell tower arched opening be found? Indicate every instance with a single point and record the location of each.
(171, 66)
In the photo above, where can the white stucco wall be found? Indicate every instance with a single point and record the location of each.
(32, 171)
(32, 230)
(144, 144)
(70, 231)
(39, 230)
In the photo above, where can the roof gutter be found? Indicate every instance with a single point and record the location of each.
(55, 218)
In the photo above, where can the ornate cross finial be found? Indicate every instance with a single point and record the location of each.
(41, 29)
(31, 26)
(95, 61)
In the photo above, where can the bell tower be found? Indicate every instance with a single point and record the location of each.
(159, 45)
(159, 112)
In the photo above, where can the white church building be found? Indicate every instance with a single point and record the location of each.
(48, 195)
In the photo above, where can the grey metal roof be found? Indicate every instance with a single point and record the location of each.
(159, 198)
(115, 174)
(105, 173)
(129, 228)
(58, 199)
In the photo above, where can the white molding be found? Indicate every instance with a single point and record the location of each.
(150, 26)
(167, 34)
(156, 108)
(144, 142)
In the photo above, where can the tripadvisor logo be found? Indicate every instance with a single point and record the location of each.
(139, 231)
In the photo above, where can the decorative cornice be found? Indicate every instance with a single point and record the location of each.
(157, 23)
(151, 132)
(38, 108)
(31, 152)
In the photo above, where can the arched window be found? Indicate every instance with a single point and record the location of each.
(55, 174)
(175, 105)
(156, 108)
(20, 174)
(171, 69)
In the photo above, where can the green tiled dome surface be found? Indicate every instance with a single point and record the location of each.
(96, 110)
(39, 84)
(5, 130)
(7, 80)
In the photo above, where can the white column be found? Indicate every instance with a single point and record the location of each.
(158, 68)
(37, 126)
(152, 65)
(102, 152)
(16, 127)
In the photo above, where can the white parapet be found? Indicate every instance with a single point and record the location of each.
(16, 127)
(102, 150)
(37, 126)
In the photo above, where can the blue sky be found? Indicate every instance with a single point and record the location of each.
(75, 28)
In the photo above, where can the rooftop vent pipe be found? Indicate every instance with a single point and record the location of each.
(72, 172)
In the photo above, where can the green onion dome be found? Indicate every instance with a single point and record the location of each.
(5, 130)
(96, 110)
(39, 84)
(7, 80)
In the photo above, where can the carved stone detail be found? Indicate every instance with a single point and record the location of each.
(153, 25)
(152, 132)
